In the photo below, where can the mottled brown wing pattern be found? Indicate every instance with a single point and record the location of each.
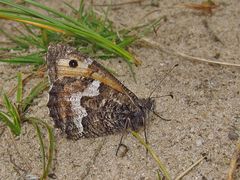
(87, 101)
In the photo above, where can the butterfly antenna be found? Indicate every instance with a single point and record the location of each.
(166, 75)
(164, 119)
(167, 95)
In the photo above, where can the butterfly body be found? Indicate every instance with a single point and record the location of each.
(87, 101)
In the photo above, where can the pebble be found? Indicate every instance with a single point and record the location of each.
(232, 135)
(199, 142)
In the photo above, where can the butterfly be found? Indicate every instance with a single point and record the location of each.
(87, 101)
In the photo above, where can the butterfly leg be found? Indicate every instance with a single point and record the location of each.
(120, 144)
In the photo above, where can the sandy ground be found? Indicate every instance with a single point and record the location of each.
(204, 113)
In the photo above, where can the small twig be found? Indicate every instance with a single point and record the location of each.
(120, 4)
(190, 168)
(205, 60)
(177, 53)
(211, 33)
(26, 163)
(93, 160)
(206, 6)
(234, 162)
(2, 129)
(16, 167)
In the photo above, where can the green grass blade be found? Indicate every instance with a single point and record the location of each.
(51, 145)
(35, 59)
(11, 122)
(19, 88)
(81, 8)
(58, 14)
(39, 134)
(6, 102)
(45, 39)
(20, 42)
(39, 88)
(27, 11)
(13, 111)
(5, 118)
(153, 154)
(50, 149)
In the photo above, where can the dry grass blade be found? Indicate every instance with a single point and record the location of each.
(149, 43)
(190, 168)
(235, 161)
(121, 4)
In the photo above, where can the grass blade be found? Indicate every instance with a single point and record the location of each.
(35, 59)
(39, 88)
(153, 154)
(39, 134)
(14, 116)
(19, 88)
(9, 123)
(51, 145)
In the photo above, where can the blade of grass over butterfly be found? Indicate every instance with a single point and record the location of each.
(153, 154)
(39, 88)
(68, 25)
(19, 88)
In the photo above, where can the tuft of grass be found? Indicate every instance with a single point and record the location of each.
(15, 115)
(12, 117)
(83, 29)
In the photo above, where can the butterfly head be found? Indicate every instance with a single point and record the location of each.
(149, 104)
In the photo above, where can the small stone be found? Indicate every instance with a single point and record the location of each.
(232, 135)
(31, 177)
(211, 136)
(199, 142)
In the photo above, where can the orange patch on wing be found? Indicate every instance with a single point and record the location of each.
(87, 72)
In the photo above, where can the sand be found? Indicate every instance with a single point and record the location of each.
(204, 113)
